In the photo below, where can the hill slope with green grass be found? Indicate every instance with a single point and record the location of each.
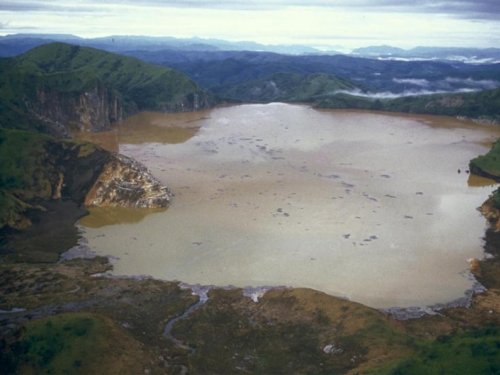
(483, 105)
(287, 87)
(58, 88)
(33, 166)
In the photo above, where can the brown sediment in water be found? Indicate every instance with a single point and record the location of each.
(108, 140)
(101, 216)
(148, 127)
(282, 321)
(354, 204)
(153, 127)
(479, 181)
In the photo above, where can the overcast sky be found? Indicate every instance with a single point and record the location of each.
(325, 23)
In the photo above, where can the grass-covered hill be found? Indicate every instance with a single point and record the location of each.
(488, 165)
(33, 167)
(56, 87)
(483, 105)
(287, 87)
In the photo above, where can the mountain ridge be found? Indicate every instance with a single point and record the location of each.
(58, 87)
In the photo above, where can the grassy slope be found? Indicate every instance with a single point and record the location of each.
(71, 69)
(29, 169)
(287, 330)
(17, 84)
(22, 155)
(471, 352)
(287, 87)
(484, 104)
(71, 343)
(489, 164)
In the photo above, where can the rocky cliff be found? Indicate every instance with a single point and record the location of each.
(59, 88)
(491, 210)
(92, 109)
(191, 102)
(125, 182)
(37, 169)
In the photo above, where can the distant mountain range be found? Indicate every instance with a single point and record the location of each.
(287, 87)
(218, 70)
(15, 44)
(379, 77)
(12, 45)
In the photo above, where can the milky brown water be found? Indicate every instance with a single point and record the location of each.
(356, 204)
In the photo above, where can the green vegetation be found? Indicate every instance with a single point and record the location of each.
(23, 159)
(484, 105)
(22, 154)
(59, 345)
(71, 343)
(287, 87)
(345, 101)
(471, 352)
(488, 165)
(74, 68)
(287, 332)
(39, 86)
(31, 165)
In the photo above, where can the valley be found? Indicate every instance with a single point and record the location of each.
(260, 211)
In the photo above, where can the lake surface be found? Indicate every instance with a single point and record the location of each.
(362, 205)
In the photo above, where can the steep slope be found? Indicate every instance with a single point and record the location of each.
(58, 87)
(287, 87)
(483, 106)
(488, 165)
(36, 168)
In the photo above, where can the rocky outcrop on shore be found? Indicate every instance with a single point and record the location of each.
(491, 211)
(124, 182)
(81, 172)
(191, 102)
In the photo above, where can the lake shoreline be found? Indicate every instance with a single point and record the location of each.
(83, 284)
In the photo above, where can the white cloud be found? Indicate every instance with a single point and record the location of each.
(350, 23)
(392, 95)
(412, 81)
(485, 84)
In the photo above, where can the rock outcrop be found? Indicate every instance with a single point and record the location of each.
(125, 182)
(191, 102)
(92, 109)
(59, 88)
(59, 170)
(491, 210)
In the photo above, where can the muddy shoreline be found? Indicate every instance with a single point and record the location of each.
(81, 250)
(80, 283)
(173, 326)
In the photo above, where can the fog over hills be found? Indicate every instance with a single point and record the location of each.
(249, 71)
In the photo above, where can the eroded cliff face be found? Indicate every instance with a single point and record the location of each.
(84, 174)
(95, 108)
(92, 109)
(191, 102)
(124, 182)
(491, 211)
